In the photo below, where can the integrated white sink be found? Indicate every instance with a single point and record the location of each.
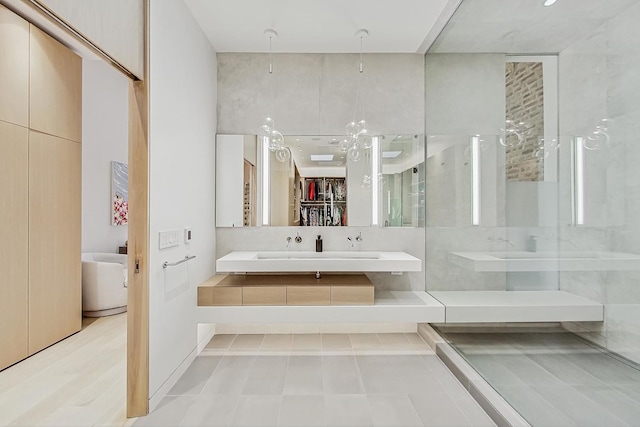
(307, 261)
(316, 255)
(546, 261)
(549, 255)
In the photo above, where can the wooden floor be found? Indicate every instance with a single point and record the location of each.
(81, 381)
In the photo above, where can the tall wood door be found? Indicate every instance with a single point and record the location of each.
(14, 252)
(55, 88)
(55, 290)
(14, 68)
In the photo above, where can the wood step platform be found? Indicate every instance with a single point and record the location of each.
(286, 289)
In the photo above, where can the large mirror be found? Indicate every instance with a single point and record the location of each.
(402, 193)
(319, 184)
(312, 189)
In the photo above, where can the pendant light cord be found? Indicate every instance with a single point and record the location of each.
(270, 58)
(359, 93)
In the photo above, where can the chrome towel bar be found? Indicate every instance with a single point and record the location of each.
(171, 264)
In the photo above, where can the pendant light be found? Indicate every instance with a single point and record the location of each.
(357, 134)
(267, 131)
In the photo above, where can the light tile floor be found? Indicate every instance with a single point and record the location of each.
(317, 380)
(555, 379)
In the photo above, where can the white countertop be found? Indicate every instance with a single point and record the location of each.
(307, 261)
(545, 261)
(517, 306)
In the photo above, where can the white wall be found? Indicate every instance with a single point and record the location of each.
(182, 125)
(599, 78)
(105, 121)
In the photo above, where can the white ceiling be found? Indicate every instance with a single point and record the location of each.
(523, 26)
(320, 26)
(409, 147)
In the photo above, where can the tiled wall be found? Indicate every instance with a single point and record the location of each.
(600, 79)
(315, 94)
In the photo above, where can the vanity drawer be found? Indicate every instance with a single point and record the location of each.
(352, 295)
(214, 295)
(308, 295)
(264, 295)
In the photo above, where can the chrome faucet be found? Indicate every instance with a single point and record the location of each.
(298, 238)
(288, 240)
(501, 239)
(358, 239)
(571, 242)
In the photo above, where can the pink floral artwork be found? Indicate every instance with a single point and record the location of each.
(120, 210)
(119, 193)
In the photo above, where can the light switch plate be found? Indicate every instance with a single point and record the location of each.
(169, 238)
(188, 235)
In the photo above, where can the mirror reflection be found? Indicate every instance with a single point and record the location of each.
(402, 198)
(319, 184)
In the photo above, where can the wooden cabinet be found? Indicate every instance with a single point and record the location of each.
(40, 195)
(55, 292)
(264, 295)
(286, 289)
(14, 253)
(55, 95)
(308, 295)
(14, 68)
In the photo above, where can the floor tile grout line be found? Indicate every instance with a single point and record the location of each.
(545, 399)
(582, 371)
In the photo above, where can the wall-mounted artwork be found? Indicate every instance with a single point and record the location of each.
(119, 193)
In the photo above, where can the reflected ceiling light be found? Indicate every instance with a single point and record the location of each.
(390, 154)
(268, 132)
(577, 180)
(475, 180)
(357, 133)
(549, 2)
(321, 157)
(376, 176)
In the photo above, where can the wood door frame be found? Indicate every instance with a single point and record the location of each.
(137, 400)
(138, 250)
(138, 240)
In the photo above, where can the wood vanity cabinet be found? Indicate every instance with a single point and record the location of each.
(286, 289)
(40, 171)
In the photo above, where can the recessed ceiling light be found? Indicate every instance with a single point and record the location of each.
(390, 154)
(321, 157)
(549, 2)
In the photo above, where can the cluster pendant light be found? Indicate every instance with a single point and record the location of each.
(357, 134)
(268, 132)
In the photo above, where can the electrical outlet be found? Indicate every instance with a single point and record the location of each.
(169, 238)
